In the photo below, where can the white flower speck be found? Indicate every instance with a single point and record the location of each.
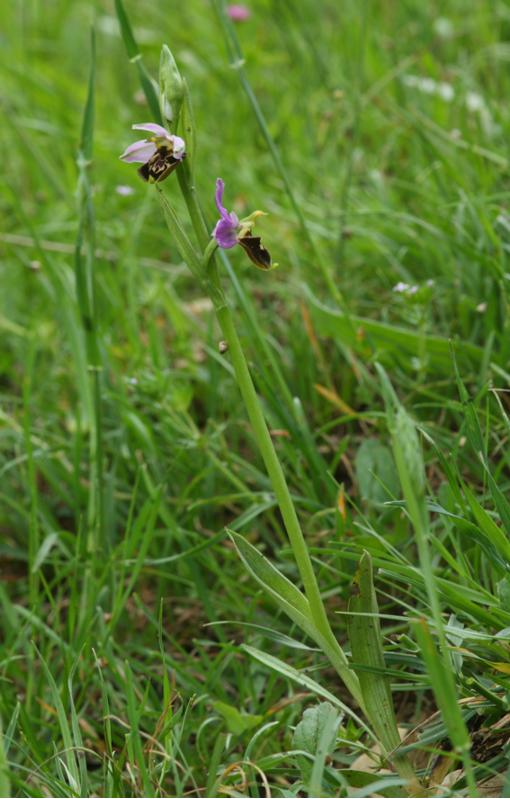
(430, 86)
(444, 27)
(124, 191)
(474, 101)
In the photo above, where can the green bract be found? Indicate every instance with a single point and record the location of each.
(171, 88)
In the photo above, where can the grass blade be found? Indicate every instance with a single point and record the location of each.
(400, 342)
(70, 745)
(444, 688)
(409, 460)
(135, 56)
(84, 261)
(5, 782)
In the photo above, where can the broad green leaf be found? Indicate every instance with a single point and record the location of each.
(375, 472)
(316, 734)
(294, 604)
(237, 722)
(367, 651)
(503, 589)
(308, 732)
(180, 238)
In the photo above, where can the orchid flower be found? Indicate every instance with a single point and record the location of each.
(159, 154)
(230, 230)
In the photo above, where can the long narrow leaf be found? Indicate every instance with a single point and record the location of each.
(400, 342)
(5, 783)
(70, 745)
(269, 576)
(367, 651)
(135, 56)
(443, 686)
(304, 681)
(293, 603)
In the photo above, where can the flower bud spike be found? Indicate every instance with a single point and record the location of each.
(171, 88)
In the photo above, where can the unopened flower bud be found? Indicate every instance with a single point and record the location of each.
(171, 88)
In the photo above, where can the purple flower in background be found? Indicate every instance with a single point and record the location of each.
(230, 230)
(159, 154)
(227, 226)
(238, 12)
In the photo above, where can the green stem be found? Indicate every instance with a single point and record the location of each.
(195, 212)
(282, 493)
(34, 532)
(211, 283)
(203, 237)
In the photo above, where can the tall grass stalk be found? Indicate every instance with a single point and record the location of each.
(85, 290)
(237, 62)
(411, 471)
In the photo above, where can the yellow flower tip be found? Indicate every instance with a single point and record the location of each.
(253, 216)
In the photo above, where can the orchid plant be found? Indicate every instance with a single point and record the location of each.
(228, 232)
(160, 154)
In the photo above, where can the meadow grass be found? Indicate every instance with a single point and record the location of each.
(147, 645)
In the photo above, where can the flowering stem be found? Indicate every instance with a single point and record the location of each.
(206, 269)
(209, 252)
(190, 198)
(203, 237)
(282, 493)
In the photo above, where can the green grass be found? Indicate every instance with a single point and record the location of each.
(140, 655)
